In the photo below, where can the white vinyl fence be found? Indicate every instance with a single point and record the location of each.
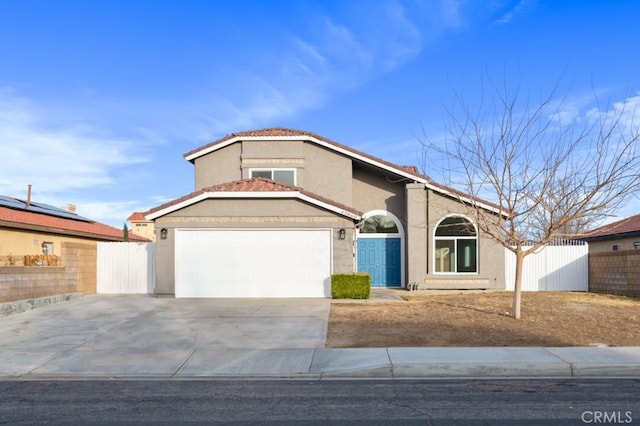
(553, 268)
(126, 268)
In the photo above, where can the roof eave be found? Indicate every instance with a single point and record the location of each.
(61, 231)
(628, 234)
(254, 195)
(469, 200)
(206, 150)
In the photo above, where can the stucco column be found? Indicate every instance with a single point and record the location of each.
(417, 230)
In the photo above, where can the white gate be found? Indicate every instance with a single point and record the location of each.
(126, 268)
(553, 268)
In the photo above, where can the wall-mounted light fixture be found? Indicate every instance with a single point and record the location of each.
(163, 233)
(342, 234)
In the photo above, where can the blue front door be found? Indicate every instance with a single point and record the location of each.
(380, 257)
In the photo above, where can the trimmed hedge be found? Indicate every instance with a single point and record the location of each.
(350, 286)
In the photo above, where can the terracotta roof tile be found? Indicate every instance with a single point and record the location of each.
(624, 226)
(137, 217)
(410, 169)
(270, 132)
(60, 225)
(254, 185)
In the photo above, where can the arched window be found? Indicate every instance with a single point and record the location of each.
(379, 224)
(456, 246)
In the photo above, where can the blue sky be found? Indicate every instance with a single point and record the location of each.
(99, 100)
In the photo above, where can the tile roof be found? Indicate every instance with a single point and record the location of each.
(251, 187)
(284, 132)
(24, 219)
(137, 217)
(34, 207)
(270, 132)
(275, 132)
(628, 226)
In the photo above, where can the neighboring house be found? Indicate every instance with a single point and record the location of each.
(141, 226)
(621, 235)
(30, 228)
(276, 211)
(614, 257)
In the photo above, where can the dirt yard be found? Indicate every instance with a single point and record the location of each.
(482, 319)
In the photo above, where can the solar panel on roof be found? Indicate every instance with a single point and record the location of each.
(15, 203)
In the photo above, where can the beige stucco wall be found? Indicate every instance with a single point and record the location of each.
(218, 167)
(375, 190)
(490, 253)
(272, 155)
(23, 242)
(318, 169)
(244, 214)
(143, 229)
(417, 233)
(328, 174)
(604, 246)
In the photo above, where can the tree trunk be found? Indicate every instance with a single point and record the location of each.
(517, 288)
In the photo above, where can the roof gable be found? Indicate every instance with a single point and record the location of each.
(256, 188)
(283, 134)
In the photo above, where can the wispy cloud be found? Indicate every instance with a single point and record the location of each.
(626, 113)
(513, 9)
(58, 159)
(330, 54)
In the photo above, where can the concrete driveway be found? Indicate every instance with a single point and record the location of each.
(138, 335)
(104, 336)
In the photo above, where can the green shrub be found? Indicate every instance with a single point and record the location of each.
(351, 286)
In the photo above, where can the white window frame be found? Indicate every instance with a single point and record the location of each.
(274, 169)
(455, 239)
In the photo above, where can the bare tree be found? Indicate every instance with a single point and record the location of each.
(550, 175)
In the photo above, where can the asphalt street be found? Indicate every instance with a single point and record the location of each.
(315, 402)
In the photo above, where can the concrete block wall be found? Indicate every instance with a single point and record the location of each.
(80, 261)
(27, 282)
(77, 274)
(616, 272)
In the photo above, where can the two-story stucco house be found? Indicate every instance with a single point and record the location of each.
(276, 211)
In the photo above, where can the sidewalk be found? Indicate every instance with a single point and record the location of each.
(145, 337)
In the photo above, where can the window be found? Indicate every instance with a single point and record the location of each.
(636, 245)
(379, 224)
(456, 246)
(615, 247)
(47, 248)
(279, 175)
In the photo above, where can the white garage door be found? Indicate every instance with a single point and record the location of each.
(253, 263)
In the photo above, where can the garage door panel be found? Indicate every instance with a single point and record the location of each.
(253, 263)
